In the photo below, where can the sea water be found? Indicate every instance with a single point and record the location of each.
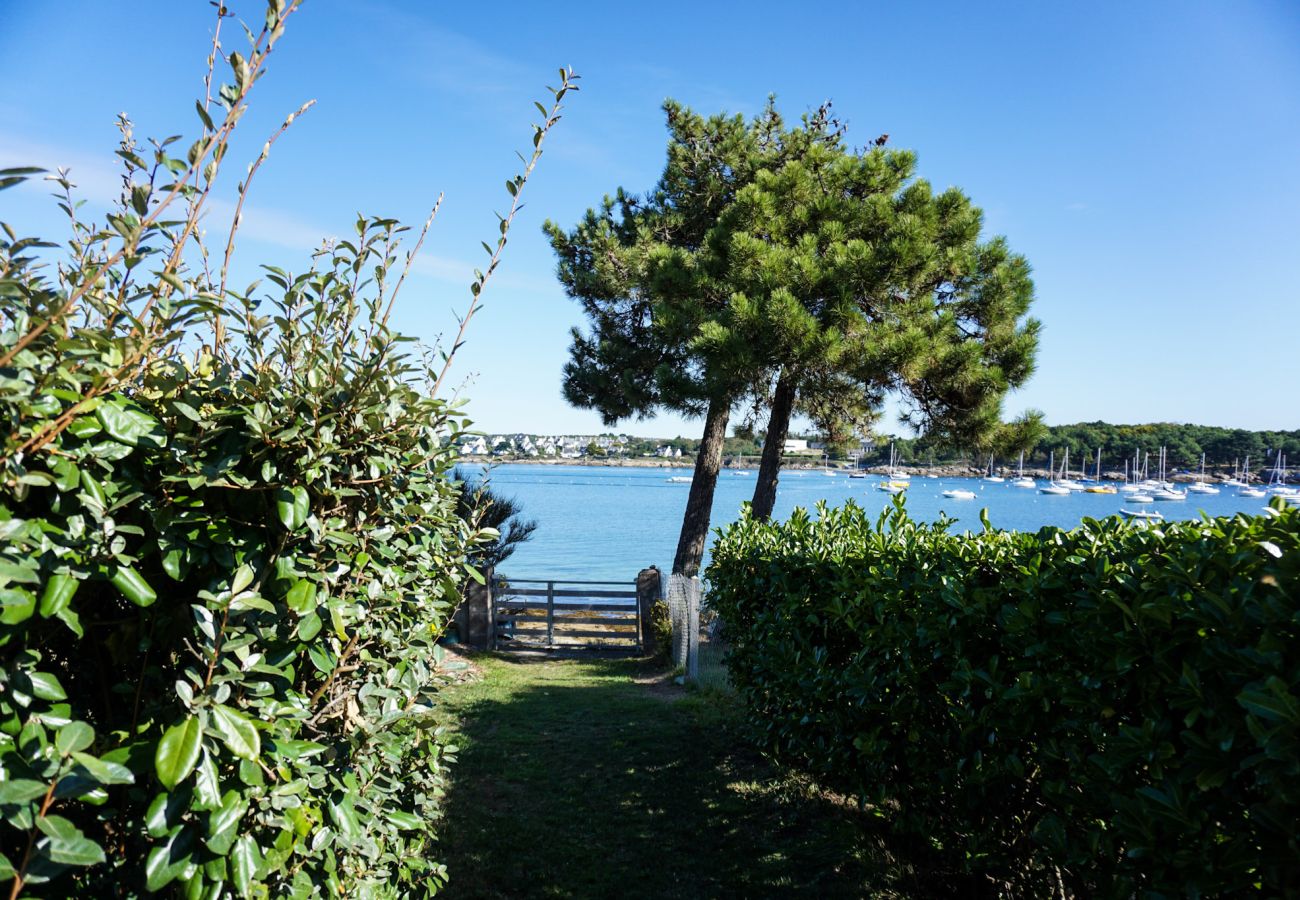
(609, 522)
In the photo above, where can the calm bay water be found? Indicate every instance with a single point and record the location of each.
(608, 522)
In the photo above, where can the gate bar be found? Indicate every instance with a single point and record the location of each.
(509, 580)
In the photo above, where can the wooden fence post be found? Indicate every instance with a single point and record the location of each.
(491, 643)
(475, 616)
(550, 613)
(648, 593)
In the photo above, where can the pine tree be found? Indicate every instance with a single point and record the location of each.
(853, 281)
(662, 316)
(778, 265)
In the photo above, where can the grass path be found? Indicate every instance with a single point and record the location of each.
(595, 778)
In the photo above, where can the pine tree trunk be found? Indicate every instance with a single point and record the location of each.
(699, 505)
(778, 426)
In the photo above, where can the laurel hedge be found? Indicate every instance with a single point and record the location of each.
(1111, 710)
(228, 546)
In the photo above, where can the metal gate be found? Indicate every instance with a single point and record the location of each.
(548, 615)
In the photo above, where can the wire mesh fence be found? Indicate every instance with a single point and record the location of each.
(711, 668)
(697, 647)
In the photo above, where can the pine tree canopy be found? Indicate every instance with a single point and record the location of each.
(764, 250)
(781, 266)
(644, 272)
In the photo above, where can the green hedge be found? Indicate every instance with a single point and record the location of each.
(228, 546)
(1114, 708)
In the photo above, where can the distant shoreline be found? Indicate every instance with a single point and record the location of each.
(954, 470)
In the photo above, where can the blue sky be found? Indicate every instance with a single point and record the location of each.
(1145, 157)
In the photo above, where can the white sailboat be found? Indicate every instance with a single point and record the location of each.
(1054, 488)
(1065, 480)
(1247, 490)
(1201, 487)
(1021, 481)
(990, 477)
(1141, 514)
(1097, 487)
(959, 494)
(1083, 474)
(1277, 484)
(1131, 487)
(1148, 483)
(1166, 491)
(894, 484)
(1235, 480)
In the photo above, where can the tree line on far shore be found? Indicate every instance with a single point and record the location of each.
(1184, 445)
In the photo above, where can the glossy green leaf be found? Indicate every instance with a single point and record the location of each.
(178, 752)
(169, 861)
(103, 770)
(132, 585)
(58, 593)
(84, 427)
(345, 817)
(173, 563)
(237, 732)
(70, 618)
(127, 423)
(21, 790)
(67, 844)
(405, 820)
(301, 598)
(74, 736)
(16, 605)
(243, 578)
(46, 686)
(309, 627)
(292, 505)
(207, 786)
(245, 858)
(223, 822)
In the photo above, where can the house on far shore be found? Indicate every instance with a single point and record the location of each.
(667, 452)
(802, 447)
(474, 446)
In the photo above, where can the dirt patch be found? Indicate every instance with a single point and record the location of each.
(661, 686)
(457, 667)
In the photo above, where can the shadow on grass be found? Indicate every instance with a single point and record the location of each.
(575, 780)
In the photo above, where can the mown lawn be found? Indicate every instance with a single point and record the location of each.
(598, 778)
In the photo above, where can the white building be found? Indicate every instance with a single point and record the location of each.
(475, 446)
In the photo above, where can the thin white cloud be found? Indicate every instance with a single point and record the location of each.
(98, 180)
(459, 272)
(96, 175)
(266, 224)
(443, 59)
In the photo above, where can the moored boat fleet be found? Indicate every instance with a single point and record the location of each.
(1137, 489)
